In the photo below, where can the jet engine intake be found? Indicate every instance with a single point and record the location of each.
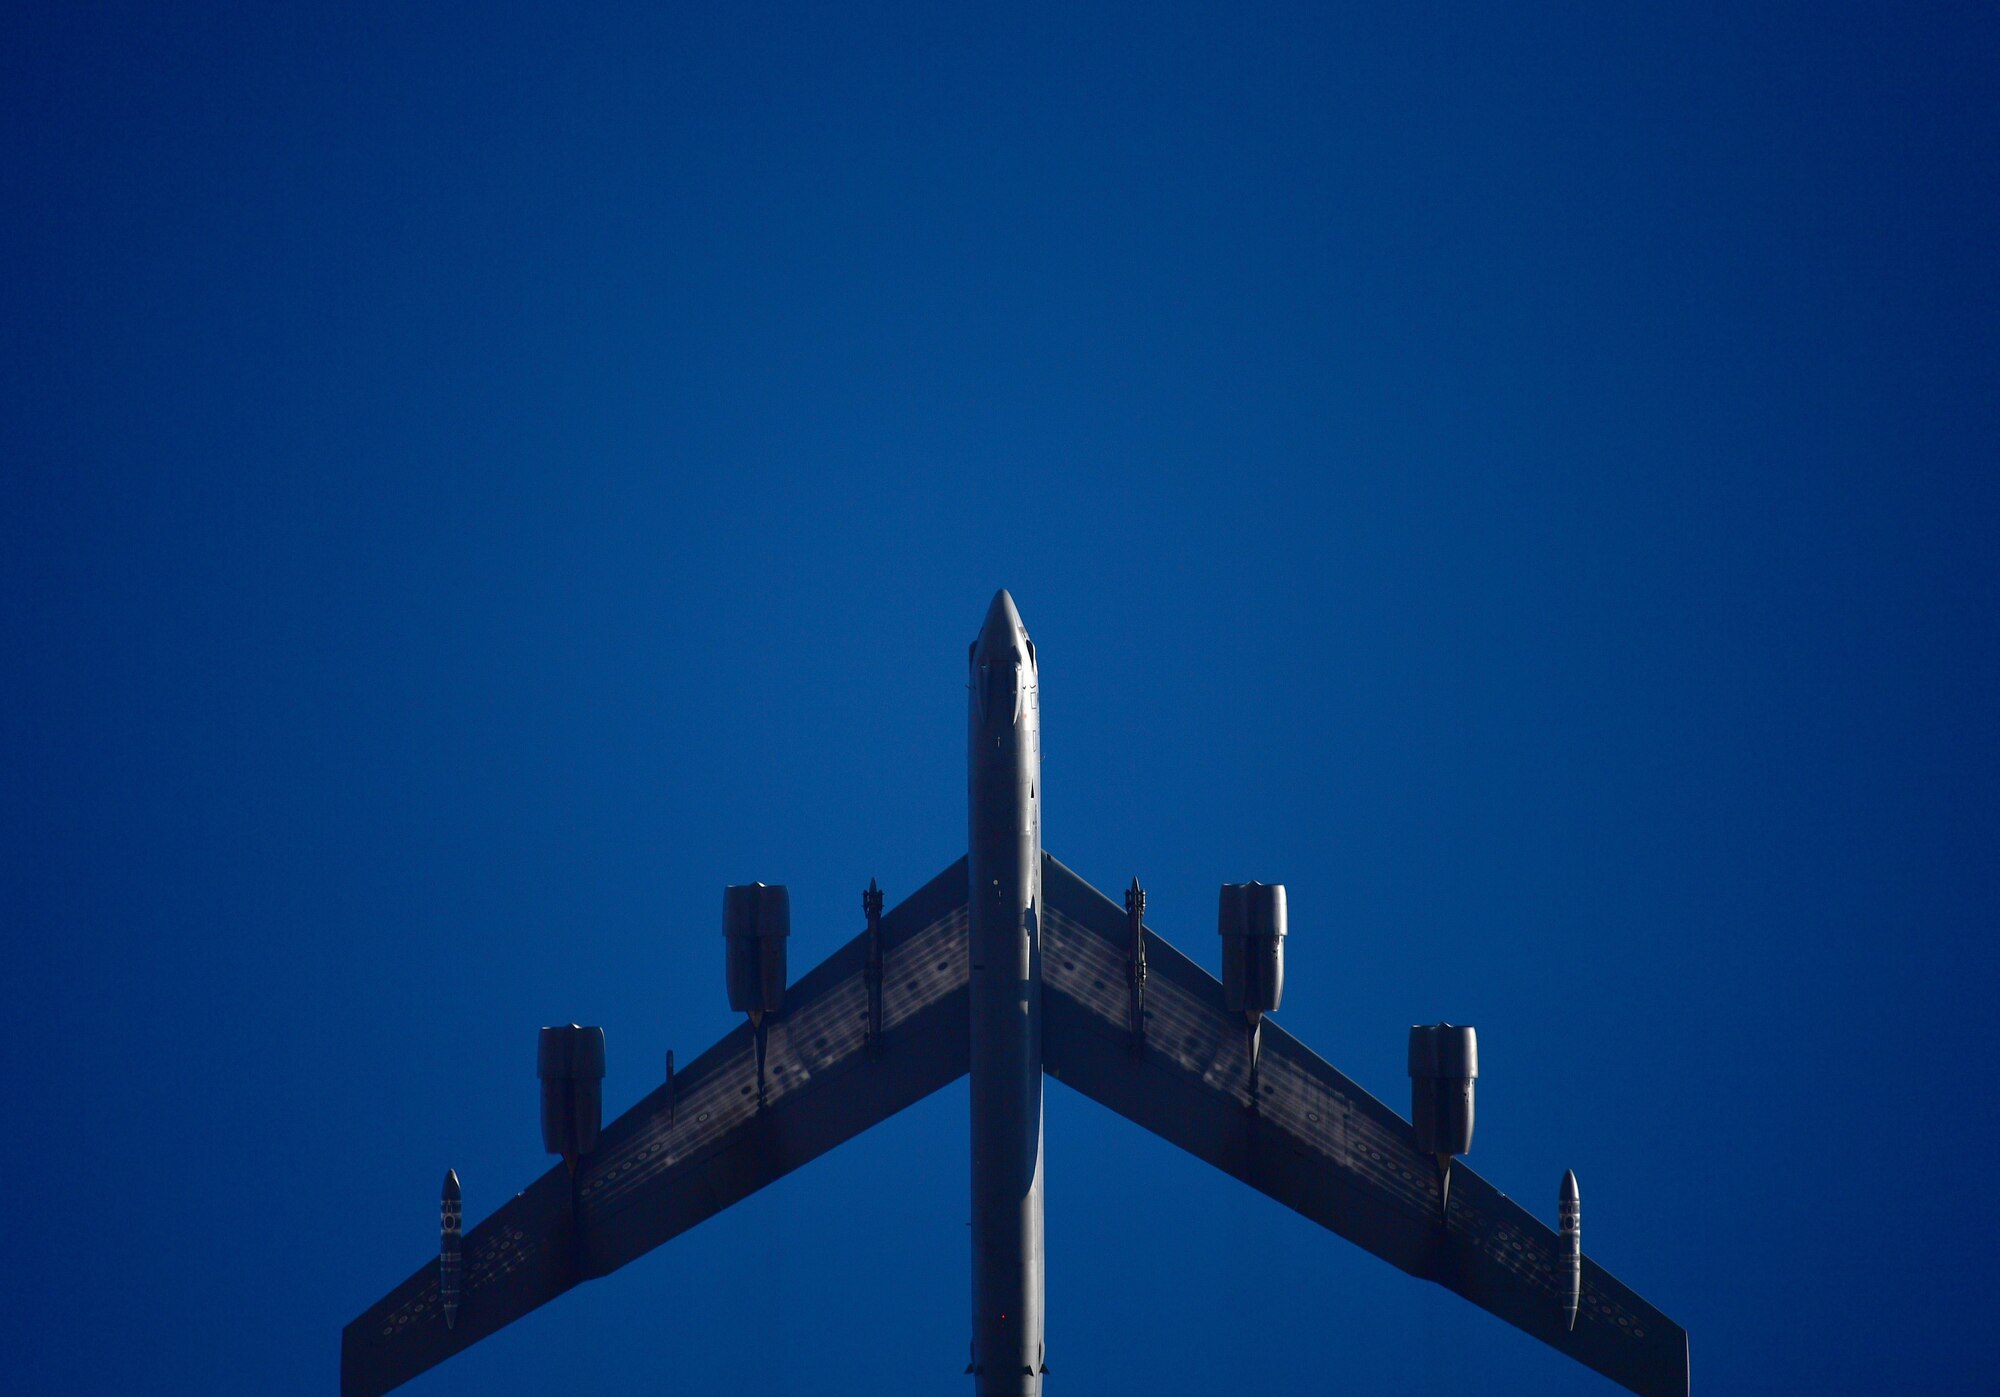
(756, 922)
(1251, 918)
(1444, 1065)
(570, 1063)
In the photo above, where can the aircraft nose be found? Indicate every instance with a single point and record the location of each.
(1003, 622)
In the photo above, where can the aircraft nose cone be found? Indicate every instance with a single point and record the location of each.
(1003, 622)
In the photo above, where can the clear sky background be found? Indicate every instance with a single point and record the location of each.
(478, 479)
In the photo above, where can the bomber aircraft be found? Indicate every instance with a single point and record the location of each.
(1008, 967)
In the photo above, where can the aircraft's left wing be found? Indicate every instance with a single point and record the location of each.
(700, 1143)
(1314, 1141)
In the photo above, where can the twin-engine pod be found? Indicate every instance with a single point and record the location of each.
(757, 921)
(1444, 1065)
(1251, 918)
(570, 1062)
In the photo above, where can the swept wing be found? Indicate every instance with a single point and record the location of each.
(701, 1142)
(1315, 1141)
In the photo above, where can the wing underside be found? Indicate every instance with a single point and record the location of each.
(691, 1148)
(1315, 1141)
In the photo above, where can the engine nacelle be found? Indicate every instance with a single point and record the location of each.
(1444, 1065)
(570, 1062)
(756, 922)
(1251, 918)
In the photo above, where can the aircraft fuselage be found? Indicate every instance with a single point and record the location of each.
(1004, 876)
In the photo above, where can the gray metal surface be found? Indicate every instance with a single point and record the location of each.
(1003, 880)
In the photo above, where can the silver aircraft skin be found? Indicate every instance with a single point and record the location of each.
(1010, 969)
(1004, 875)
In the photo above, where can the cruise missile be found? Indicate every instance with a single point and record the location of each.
(1569, 1271)
(449, 1216)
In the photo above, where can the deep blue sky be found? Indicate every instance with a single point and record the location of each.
(477, 480)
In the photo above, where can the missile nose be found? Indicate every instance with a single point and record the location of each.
(450, 1185)
(1569, 1194)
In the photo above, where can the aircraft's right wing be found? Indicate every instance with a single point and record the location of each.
(702, 1141)
(1315, 1141)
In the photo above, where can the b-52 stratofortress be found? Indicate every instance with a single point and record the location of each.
(1008, 967)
